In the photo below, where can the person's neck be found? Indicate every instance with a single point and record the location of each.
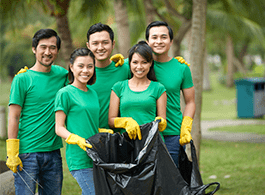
(103, 63)
(41, 68)
(162, 58)
(80, 86)
(137, 84)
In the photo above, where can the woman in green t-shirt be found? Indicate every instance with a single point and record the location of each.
(140, 99)
(77, 116)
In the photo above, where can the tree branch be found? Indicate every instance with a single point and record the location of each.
(174, 12)
(159, 15)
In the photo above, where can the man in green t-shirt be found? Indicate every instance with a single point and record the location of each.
(100, 40)
(33, 148)
(176, 77)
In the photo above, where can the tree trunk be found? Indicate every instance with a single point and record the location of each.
(59, 10)
(206, 74)
(65, 35)
(198, 31)
(243, 51)
(149, 12)
(240, 67)
(123, 32)
(184, 28)
(230, 57)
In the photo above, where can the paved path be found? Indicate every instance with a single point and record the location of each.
(234, 137)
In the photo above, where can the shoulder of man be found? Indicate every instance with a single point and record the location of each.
(22, 70)
(181, 60)
(59, 69)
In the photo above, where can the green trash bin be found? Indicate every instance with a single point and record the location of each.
(250, 94)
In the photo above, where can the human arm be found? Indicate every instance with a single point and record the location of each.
(69, 137)
(128, 123)
(189, 97)
(13, 120)
(161, 105)
(12, 143)
(60, 129)
(113, 108)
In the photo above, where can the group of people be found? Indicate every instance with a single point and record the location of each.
(98, 94)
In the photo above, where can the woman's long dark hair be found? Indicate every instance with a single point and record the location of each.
(144, 50)
(81, 52)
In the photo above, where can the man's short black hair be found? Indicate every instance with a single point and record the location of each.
(158, 23)
(98, 27)
(45, 34)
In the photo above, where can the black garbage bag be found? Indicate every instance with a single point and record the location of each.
(191, 174)
(127, 167)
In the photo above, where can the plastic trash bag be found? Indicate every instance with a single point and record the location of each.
(191, 174)
(127, 167)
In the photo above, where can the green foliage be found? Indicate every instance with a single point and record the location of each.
(258, 71)
(234, 17)
(5, 90)
(17, 31)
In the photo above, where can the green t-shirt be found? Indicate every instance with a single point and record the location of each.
(82, 118)
(35, 93)
(106, 78)
(175, 77)
(141, 106)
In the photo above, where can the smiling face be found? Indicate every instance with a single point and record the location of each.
(101, 45)
(83, 69)
(159, 40)
(139, 66)
(46, 51)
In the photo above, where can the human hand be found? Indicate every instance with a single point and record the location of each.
(118, 58)
(81, 142)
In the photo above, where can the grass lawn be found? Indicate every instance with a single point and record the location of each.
(70, 185)
(258, 129)
(238, 167)
(219, 103)
(4, 91)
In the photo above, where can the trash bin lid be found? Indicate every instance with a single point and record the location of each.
(250, 80)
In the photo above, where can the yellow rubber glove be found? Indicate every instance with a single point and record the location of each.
(81, 142)
(22, 70)
(162, 124)
(181, 60)
(131, 126)
(185, 130)
(100, 130)
(118, 58)
(12, 148)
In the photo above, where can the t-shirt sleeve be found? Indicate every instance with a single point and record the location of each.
(187, 78)
(18, 90)
(61, 101)
(161, 89)
(117, 89)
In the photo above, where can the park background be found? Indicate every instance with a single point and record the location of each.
(223, 40)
